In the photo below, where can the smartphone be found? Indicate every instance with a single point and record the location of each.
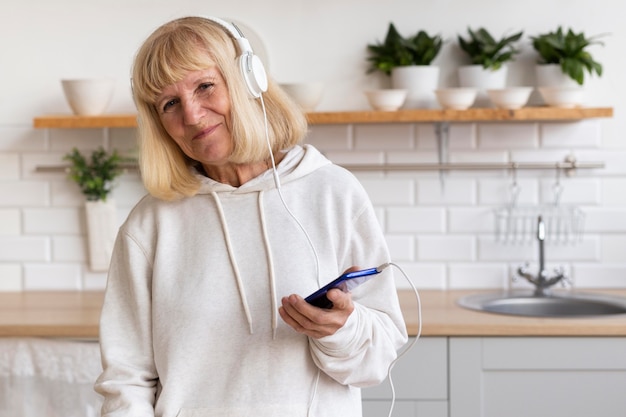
(345, 283)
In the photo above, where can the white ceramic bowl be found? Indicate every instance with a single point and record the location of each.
(456, 98)
(565, 97)
(306, 95)
(88, 96)
(386, 99)
(510, 98)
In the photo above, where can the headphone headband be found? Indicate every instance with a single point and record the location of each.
(250, 65)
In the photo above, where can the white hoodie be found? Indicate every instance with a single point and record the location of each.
(190, 323)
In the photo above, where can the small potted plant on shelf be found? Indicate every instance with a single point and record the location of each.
(565, 53)
(488, 57)
(95, 176)
(563, 61)
(408, 61)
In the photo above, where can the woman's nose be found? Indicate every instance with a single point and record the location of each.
(193, 112)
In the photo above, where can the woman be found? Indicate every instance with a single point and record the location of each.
(204, 266)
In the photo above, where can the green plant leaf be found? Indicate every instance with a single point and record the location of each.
(483, 49)
(568, 49)
(396, 50)
(95, 175)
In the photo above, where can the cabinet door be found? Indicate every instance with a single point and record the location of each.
(521, 377)
(419, 380)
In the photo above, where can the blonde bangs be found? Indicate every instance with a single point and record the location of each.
(166, 59)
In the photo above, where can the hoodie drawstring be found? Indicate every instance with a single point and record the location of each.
(233, 261)
(270, 263)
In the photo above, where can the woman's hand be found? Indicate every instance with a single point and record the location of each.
(314, 321)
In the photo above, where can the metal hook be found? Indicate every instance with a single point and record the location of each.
(515, 188)
(557, 189)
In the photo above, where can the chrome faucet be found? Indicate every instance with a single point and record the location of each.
(542, 281)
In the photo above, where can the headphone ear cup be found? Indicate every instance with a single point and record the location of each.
(253, 73)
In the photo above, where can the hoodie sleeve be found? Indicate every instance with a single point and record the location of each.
(361, 352)
(129, 378)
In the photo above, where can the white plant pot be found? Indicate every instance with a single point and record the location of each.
(557, 88)
(551, 75)
(475, 76)
(101, 232)
(420, 81)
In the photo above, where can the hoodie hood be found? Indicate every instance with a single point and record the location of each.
(298, 162)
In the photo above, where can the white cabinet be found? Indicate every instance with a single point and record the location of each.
(530, 377)
(420, 379)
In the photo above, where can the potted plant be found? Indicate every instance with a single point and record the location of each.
(488, 58)
(408, 61)
(95, 175)
(564, 55)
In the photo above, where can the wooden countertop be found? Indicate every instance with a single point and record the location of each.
(76, 314)
(443, 317)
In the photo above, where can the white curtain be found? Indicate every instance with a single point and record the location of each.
(49, 377)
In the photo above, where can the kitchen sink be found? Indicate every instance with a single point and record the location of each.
(527, 303)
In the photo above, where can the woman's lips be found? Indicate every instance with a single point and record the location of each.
(205, 132)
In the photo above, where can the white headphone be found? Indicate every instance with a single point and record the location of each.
(250, 65)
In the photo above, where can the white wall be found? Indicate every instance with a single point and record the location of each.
(41, 223)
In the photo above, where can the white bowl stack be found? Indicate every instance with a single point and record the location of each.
(511, 98)
(88, 96)
(386, 99)
(460, 98)
(306, 94)
(563, 97)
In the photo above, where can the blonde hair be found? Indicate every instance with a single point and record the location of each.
(168, 54)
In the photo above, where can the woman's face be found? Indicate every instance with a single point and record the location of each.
(195, 112)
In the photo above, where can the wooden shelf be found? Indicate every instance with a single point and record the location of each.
(346, 117)
(470, 115)
(69, 121)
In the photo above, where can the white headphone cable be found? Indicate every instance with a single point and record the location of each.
(282, 199)
(413, 342)
(317, 266)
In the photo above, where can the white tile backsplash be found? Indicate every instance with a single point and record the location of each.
(9, 166)
(391, 136)
(24, 249)
(63, 140)
(605, 219)
(53, 221)
(423, 275)
(613, 191)
(508, 136)
(608, 275)
(23, 193)
(390, 192)
(10, 277)
(52, 277)
(583, 134)
(69, 249)
(446, 248)
(401, 247)
(10, 222)
(355, 158)
(470, 220)
(21, 139)
(331, 137)
(415, 220)
(613, 248)
(582, 191)
(454, 192)
(477, 275)
(439, 228)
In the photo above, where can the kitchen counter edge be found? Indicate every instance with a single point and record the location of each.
(75, 314)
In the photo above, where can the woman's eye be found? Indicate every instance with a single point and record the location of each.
(169, 106)
(205, 86)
